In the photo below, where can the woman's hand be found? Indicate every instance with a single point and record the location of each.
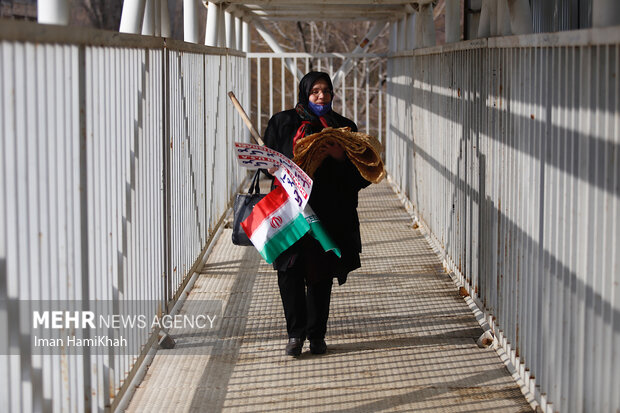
(333, 149)
(273, 169)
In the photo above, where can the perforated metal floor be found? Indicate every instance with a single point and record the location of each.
(400, 338)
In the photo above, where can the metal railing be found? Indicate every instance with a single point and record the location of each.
(116, 171)
(508, 150)
(359, 96)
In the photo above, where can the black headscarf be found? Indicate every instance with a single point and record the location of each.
(306, 82)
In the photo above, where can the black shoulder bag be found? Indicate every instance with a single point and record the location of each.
(244, 203)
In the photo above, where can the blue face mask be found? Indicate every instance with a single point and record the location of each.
(320, 110)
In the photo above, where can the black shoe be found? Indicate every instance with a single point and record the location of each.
(294, 346)
(318, 346)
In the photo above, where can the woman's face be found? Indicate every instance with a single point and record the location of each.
(320, 93)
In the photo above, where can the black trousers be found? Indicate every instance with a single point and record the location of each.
(306, 304)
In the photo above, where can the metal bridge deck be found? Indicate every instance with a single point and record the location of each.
(400, 337)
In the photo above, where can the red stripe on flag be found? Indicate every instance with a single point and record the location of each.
(272, 201)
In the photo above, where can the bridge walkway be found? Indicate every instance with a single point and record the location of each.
(400, 337)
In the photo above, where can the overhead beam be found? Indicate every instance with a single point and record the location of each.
(327, 13)
(375, 17)
(322, 2)
(297, 12)
(341, 8)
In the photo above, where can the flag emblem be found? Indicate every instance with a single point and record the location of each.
(276, 222)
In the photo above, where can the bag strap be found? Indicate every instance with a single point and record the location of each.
(255, 185)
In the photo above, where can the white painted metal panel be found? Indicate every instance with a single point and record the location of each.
(84, 196)
(509, 154)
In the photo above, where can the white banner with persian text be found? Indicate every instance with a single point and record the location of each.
(295, 181)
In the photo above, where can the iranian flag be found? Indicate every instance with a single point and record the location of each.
(276, 223)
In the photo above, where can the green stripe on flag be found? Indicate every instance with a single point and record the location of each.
(319, 233)
(284, 238)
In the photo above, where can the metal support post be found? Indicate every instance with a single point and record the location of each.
(213, 22)
(158, 17)
(246, 37)
(402, 34)
(488, 18)
(520, 16)
(238, 33)
(148, 22)
(428, 24)
(360, 48)
(410, 34)
(503, 19)
(453, 21)
(229, 21)
(221, 33)
(53, 12)
(246, 41)
(393, 45)
(165, 19)
(132, 16)
(605, 13)
(190, 21)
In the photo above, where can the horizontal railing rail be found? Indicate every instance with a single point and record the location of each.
(116, 172)
(508, 150)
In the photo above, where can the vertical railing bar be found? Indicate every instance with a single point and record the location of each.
(283, 85)
(367, 103)
(344, 95)
(271, 88)
(295, 80)
(380, 104)
(259, 96)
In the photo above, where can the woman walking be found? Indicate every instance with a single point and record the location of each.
(305, 271)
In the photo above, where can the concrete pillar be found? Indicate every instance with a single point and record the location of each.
(453, 21)
(132, 16)
(213, 22)
(605, 13)
(53, 12)
(190, 21)
(520, 16)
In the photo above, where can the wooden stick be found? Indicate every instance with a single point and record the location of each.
(245, 118)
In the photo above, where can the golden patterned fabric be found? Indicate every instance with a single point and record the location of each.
(363, 150)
